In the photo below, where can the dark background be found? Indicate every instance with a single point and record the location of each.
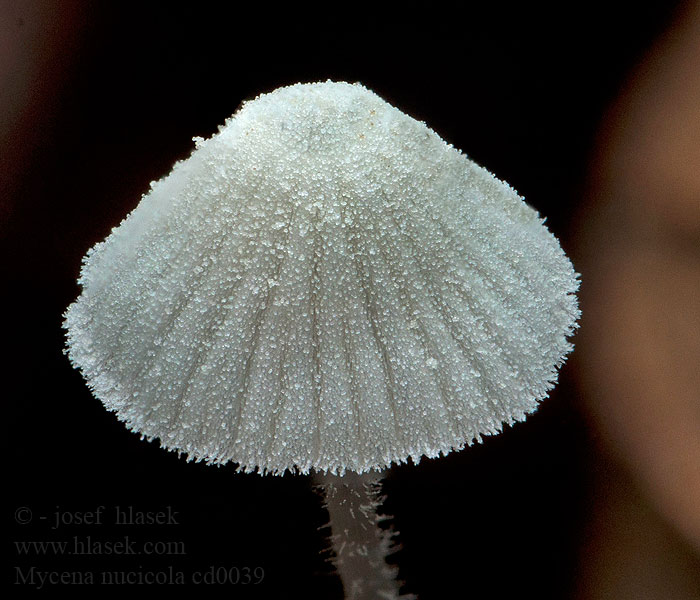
(119, 93)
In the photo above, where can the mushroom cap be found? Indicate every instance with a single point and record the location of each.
(324, 283)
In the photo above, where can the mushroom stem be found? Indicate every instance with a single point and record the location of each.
(360, 546)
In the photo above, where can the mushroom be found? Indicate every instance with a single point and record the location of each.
(325, 286)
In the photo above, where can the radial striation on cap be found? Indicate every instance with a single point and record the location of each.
(325, 283)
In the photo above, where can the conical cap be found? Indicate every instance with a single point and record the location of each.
(324, 283)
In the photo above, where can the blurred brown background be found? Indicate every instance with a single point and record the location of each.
(591, 112)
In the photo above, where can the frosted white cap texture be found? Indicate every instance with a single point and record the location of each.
(323, 283)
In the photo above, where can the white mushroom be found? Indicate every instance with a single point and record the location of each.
(324, 284)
